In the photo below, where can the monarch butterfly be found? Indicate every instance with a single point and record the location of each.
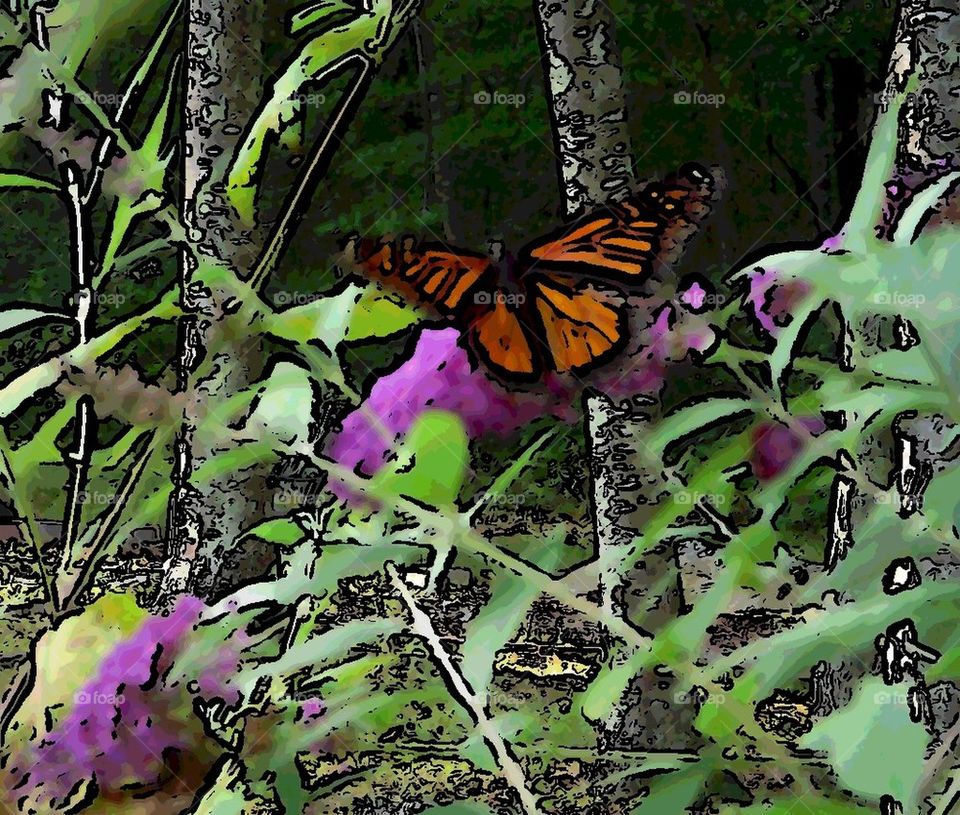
(546, 309)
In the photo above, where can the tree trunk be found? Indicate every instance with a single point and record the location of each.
(222, 88)
(585, 88)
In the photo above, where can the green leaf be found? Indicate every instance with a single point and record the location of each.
(325, 320)
(153, 161)
(380, 314)
(695, 419)
(15, 319)
(280, 531)
(326, 650)
(879, 167)
(324, 13)
(368, 36)
(283, 409)
(431, 464)
(871, 743)
(25, 181)
(921, 205)
(787, 346)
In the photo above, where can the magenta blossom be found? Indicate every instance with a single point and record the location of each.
(775, 446)
(114, 733)
(772, 300)
(440, 375)
(125, 726)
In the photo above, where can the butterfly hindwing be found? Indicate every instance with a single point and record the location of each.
(582, 327)
(500, 336)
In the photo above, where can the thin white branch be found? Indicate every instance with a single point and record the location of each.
(54, 108)
(840, 533)
(423, 627)
(38, 23)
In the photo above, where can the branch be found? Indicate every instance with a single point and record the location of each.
(423, 627)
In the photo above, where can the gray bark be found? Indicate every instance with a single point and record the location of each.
(584, 79)
(222, 87)
(585, 90)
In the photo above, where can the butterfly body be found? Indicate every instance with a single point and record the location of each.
(559, 304)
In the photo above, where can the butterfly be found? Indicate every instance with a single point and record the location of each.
(560, 305)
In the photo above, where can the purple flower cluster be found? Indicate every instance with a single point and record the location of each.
(775, 446)
(439, 375)
(123, 727)
(772, 300)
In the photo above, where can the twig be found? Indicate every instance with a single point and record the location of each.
(297, 202)
(84, 429)
(38, 23)
(423, 627)
(462, 534)
(104, 532)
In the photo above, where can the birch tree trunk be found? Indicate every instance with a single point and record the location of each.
(585, 90)
(222, 88)
(584, 77)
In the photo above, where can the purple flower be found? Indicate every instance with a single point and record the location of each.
(833, 245)
(122, 730)
(438, 376)
(310, 709)
(775, 446)
(693, 296)
(772, 300)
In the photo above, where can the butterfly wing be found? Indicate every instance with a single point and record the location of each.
(582, 326)
(625, 240)
(500, 335)
(464, 287)
(443, 279)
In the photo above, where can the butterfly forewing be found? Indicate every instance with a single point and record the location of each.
(624, 241)
(445, 280)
